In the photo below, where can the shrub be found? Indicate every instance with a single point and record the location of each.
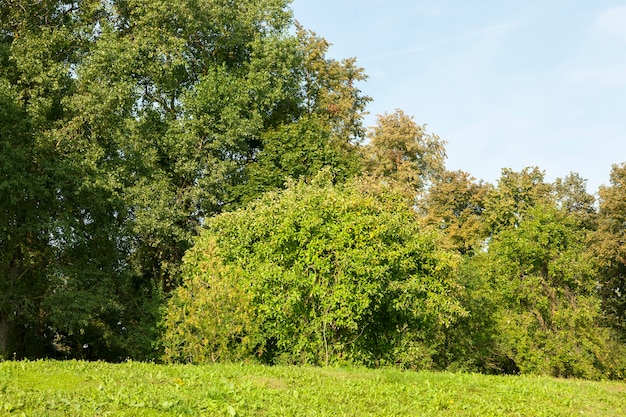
(315, 274)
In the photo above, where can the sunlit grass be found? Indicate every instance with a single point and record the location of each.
(48, 388)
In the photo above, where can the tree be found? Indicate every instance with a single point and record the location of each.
(514, 195)
(549, 319)
(298, 150)
(39, 42)
(455, 204)
(531, 291)
(140, 120)
(185, 112)
(571, 195)
(315, 274)
(329, 88)
(609, 249)
(25, 211)
(400, 150)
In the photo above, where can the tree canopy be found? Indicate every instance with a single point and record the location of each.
(400, 150)
(192, 181)
(316, 274)
(126, 125)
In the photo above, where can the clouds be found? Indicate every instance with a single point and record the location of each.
(612, 23)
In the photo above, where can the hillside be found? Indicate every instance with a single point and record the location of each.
(141, 389)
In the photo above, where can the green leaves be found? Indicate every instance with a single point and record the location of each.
(326, 274)
(549, 318)
(125, 126)
(609, 249)
(27, 210)
(402, 151)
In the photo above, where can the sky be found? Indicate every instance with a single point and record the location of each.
(507, 84)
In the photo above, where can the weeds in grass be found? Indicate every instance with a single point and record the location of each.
(141, 389)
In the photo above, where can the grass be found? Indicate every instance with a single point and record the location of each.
(50, 388)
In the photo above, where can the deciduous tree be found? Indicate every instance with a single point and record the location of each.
(455, 204)
(609, 248)
(549, 317)
(138, 121)
(316, 274)
(400, 150)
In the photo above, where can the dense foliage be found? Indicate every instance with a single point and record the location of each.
(125, 124)
(316, 274)
(533, 289)
(129, 128)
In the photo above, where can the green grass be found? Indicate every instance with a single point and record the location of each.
(49, 388)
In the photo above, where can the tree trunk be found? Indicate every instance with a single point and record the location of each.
(13, 276)
(4, 337)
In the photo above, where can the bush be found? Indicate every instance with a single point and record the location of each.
(548, 316)
(315, 274)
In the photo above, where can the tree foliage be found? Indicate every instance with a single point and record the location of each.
(317, 274)
(128, 126)
(515, 194)
(133, 122)
(531, 276)
(609, 249)
(400, 150)
(549, 317)
(26, 209)
(455, 204)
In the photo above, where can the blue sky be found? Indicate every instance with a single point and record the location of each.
(505, 83)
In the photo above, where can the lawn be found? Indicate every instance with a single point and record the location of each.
(50, 388)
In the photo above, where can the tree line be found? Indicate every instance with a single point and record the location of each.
(192, 181)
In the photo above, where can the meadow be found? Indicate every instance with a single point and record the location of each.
(76, 388)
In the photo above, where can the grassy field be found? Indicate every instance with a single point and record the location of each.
(49, 388)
